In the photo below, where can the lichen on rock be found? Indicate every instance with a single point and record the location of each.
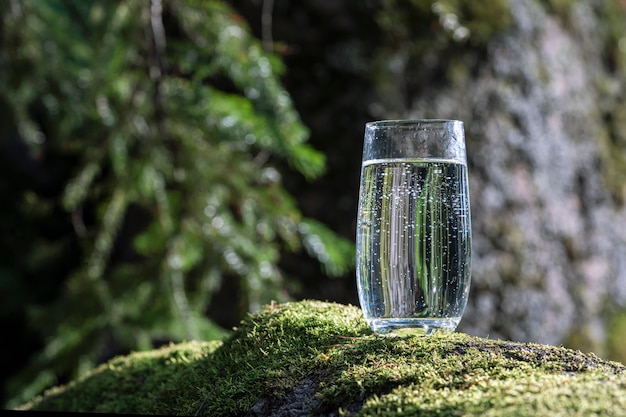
(312, 358)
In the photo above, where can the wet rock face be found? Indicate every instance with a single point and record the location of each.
(548, 239)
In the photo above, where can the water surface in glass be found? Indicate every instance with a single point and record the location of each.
(413, 227)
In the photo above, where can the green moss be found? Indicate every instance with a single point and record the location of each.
(323, 357)
(142, 382)
(534, 395)
(612, 142)
(271, 352)
(612, 151)
(617, 336)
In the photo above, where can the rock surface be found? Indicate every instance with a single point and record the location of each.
(313, 358)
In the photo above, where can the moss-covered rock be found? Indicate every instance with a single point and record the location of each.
(316, 358)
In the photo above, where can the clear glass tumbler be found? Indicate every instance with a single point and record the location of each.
(413, 227)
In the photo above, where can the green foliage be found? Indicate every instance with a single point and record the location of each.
(168, 121)
(323, 357)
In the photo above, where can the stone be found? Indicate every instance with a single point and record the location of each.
(312, 358)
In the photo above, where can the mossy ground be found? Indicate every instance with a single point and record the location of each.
(315, 358)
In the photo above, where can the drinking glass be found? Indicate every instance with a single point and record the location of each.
(413, 227)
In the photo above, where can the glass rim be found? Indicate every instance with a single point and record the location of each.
(410, 122)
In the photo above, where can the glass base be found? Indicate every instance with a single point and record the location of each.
(412, 326)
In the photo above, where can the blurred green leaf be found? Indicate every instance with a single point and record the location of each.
(168, 130)
(336, 254)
